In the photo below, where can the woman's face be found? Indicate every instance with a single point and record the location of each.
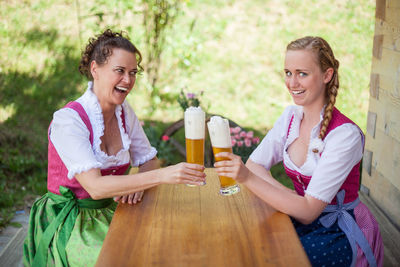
(304, 78)
(113, 80)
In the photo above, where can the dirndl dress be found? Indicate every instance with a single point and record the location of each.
(346, 233)
(66, 226)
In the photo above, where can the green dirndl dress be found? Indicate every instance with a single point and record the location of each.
(66, 231)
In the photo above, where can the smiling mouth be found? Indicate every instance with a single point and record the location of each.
(298, 92)
(121, 89)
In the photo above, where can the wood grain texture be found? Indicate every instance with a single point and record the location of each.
(176, 225)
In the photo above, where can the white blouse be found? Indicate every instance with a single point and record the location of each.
(342, 149)
(70, 137)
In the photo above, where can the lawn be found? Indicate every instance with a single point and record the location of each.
(231, 51)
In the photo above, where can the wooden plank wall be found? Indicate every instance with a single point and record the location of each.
(381, 164)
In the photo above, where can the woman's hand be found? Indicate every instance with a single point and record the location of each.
(131, 198)
(231, 166)
(183, 173)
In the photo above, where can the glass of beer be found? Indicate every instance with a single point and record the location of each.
(220, 136)
(195, 121)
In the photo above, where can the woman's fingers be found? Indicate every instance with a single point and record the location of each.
(188, 172)
(137, 197)
(130, 198)
(233, 167)
(224, 163)
(192, 166)
(196, 173)
(184, 173)
(124, 199)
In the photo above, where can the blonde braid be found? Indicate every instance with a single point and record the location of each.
(331, 93)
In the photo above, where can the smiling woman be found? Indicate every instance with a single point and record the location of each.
(321, 150)
(92, 143)
(116, 77)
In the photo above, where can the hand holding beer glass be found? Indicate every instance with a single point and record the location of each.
(220, 136)
(195, 120)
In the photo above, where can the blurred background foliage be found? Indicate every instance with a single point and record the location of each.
(232, 51)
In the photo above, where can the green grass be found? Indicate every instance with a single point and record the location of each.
(231, 50)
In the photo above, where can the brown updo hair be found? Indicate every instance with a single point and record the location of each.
(100, 49)
(325, 59)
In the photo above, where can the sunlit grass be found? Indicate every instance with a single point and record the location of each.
(6, 112)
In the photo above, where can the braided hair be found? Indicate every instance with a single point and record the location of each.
(100, 49)
(325, 59)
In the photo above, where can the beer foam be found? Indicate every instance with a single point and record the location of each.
(195, 121)
(218, 128)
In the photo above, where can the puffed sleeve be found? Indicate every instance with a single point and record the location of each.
(270, 151)
(70, 138)
(343, 150)
(140, 149)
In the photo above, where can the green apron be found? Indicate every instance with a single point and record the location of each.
(66, 231)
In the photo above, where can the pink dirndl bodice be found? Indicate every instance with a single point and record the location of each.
(364, 218)
(57, 172)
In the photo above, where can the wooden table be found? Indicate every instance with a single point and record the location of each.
(177, 225)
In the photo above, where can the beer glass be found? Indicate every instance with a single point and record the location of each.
(195, 120)
(220, 136)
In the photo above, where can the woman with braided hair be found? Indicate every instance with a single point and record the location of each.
(321, 150)
(92, 143)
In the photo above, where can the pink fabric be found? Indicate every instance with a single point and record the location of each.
(364, 218)
(369, 226)
(57, 172)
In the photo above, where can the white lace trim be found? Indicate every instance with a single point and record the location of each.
(74, 170)
(126, 142)
(317, 196)
(291, 136)
(149, 156)
(98, 129)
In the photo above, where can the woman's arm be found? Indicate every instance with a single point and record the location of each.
(150, 165)
(108, 186)
(304, 209)
(262, 173)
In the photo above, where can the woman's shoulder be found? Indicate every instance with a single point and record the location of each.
(342, 125)
(66, 116)
(338, 118)
(71, 112)
(345, 130)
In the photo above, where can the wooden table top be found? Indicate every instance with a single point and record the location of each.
(177, 225)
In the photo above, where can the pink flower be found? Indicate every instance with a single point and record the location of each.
(250, 134)
(256, 140)
(190, 95)
(165, 138)
(237, 137)
(240, 143)
(233, 142)
(237, 129)
(141, 123)
(247, 142)
(242, 134)
(231, 130)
